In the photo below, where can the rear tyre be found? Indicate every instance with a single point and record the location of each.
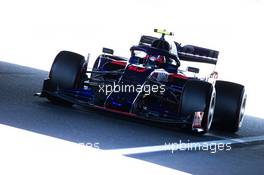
(66, 72)
(199, 96)
(230, 106)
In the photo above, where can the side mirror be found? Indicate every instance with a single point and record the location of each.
(193, 69)
(148, 40)
(108, 51)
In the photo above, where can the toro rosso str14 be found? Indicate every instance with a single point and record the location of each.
(151, 84)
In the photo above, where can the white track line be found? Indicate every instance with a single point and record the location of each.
(190, 145)
(30, 153)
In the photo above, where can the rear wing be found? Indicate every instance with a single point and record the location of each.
(188, 52)
(197, 54)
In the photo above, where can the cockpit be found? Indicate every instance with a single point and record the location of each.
(151, 57)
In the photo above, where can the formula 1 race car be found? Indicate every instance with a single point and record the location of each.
(151, 84)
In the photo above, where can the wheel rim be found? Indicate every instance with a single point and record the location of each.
(242, 111)
(211, 111)
(208, 118)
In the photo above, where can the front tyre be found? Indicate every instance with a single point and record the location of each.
(198, 100)
(230, 106)
(67, 72)
(209, 112)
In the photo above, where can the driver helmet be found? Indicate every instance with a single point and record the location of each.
(161, 44)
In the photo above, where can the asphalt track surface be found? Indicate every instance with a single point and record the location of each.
(20, 109)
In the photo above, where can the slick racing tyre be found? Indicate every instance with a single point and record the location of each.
(199, 97)
(230, 106)
(66, 72)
